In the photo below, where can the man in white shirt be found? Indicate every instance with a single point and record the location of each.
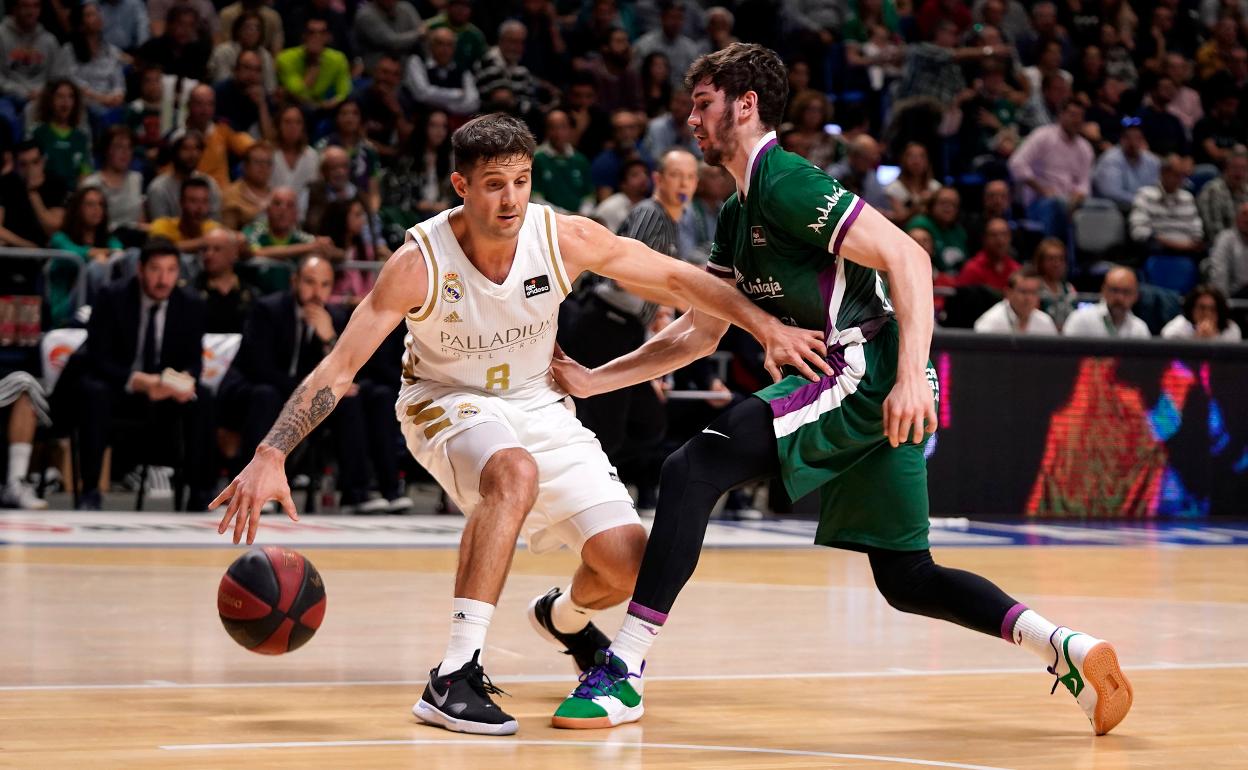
(1112, 317)
(1019, 312)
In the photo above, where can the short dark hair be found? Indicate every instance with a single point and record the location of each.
(491, 137)
(742, 67)
(629, 165)
(158, 247)
(195, 181)
(1219, 300)
(1026, 271)
(26, 145)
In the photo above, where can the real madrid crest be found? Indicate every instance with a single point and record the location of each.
(467, 410)
(452, 287)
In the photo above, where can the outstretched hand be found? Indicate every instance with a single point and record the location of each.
(263, 479)
(801, 349)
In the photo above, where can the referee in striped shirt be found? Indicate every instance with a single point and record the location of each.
(604, 321)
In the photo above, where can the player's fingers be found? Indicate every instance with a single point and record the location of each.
(803, 369)
(226, 494)
(253, 521)
(772, 369)
(236, 502)
(930, 418)
(917, 426)
(240, 520)
(892, 428)
(818, 342)
(820, 362)
(288, 505)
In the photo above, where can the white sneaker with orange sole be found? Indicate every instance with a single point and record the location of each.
(1088, 668)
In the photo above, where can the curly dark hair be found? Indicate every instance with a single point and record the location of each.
(491, 137)
(1219, 300)
(743, 67)
(44, 107)
(77, 229)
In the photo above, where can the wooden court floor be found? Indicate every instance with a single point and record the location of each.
(114, 657)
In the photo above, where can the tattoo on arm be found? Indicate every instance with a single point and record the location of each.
(299, 417)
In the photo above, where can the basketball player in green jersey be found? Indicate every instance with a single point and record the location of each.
(810, 252)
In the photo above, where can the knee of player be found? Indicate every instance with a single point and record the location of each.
(511, 476)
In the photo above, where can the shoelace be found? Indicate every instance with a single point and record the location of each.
(479, 681)
(1057, 657)
(602, 679)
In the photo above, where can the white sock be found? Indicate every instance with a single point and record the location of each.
(1032, 632)
(19, 462)
(470, 619)
(568, 616)
(636, 635)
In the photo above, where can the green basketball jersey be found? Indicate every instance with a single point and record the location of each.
(782, 243)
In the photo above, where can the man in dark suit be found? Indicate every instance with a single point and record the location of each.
(286, 335)
(139, 328)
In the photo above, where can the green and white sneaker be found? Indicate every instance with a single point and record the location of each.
(606, 696)
(1088, 668)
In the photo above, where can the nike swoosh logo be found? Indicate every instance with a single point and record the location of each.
(439, 700)
(717, 433)
(655, 631)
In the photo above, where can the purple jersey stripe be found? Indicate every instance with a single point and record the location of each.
(647, 614)
(1011, 617)
(849, 222)
(810, 392)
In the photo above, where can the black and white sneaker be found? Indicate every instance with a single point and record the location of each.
(460, 702)
(581, 645)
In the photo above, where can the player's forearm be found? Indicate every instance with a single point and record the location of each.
(309, 405)
(714, 296)
(910, 289)
(679, 344)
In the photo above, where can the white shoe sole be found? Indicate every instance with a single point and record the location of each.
(628, 715)
(430, 715)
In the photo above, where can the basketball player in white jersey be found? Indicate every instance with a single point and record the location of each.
(479, 287)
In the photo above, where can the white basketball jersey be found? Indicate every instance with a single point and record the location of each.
(488, 337)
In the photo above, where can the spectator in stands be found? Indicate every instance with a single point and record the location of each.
(122, 188)
(546, 54)
(1185, 105)
(126, 23)
(990, 122)
(1112, 316)
(187, 230)
(1220, 131)
(1220, 198)
(695, 233)
(1164, 218)
(386, 125)
(436, 80)
(207, 24)
(1118, 61)
(85, 234)
(285, 336)
(32, 203)
(242, 101)
(178, 50)
(246, 198)
(346, 225)
(618, 81)
(995, 203)
(1105, 114)
(333, 185)
(671, 129)
(809, 113)
(669, 39)
(66, 146)
(1125, 169)
(857, 173)
(1164, 132)
(1227, 266)
(911, 192)
(165, 191)
(625, 145)
(656, 83)
(139, 328)
(1057, 295)
(1053, 168)
(1045, 29)
(91, 62)
(387, 27)
(28, 53)
(633, 188)
(933, 69)
(364, 161)
(1206, 316)
(277, 235)
(1048, 62)
(1044, 108)
(501, 68)
(221, 142)
(158, 110)
(923, 237)
(295, 164)
(315, 75)
(994, 265)
(949, 236)
(417, 186)
(591, 125)
(719, 25)
(470, 44)
(297, 13)
(246, 34)
(1019, 312)
(227, 300)
(561, 174)
(1216, 53)
(272, 35)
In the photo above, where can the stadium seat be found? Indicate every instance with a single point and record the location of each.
(1099, 229)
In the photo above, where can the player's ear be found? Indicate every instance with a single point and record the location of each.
(747, 105)
(460, 183)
